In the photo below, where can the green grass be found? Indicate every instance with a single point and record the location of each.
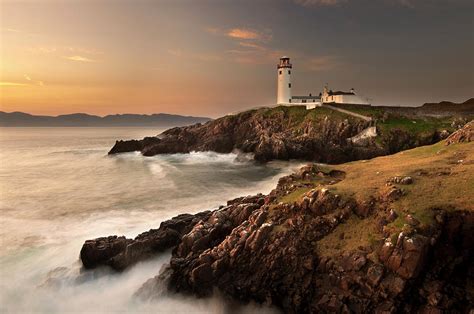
(297, 115)
(295, 195)
(440, 181)
(364, 110)
(414, 125)
(349, 236)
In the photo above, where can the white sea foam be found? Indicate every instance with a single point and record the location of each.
(58, 188)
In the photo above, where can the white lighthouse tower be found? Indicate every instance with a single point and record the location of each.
(284, 81)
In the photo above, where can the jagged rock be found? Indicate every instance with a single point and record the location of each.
(258, 249)
(278, 133)
(392, 216)
(374, 274)
(407, 257)
(401, 180)
(465, 134)
(391, 193)
(101, 250)
(120, 252)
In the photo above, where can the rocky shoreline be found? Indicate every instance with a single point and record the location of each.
(283, 249)
(319, 135)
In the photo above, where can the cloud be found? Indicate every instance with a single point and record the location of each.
(249, 34)
(11, 84)
(16, 31)
(79, 59)
(315, 3)
(62, 50)
(38, 83)
(213, 30)
(251, 45)
(12, 30)
(241, 33)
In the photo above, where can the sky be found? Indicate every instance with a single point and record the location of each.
(214, 57)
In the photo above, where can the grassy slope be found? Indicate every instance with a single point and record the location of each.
(443, 178)
(296, 115)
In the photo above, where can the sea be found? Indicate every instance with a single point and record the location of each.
(59, 187)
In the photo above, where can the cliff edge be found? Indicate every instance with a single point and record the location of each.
(292, 132)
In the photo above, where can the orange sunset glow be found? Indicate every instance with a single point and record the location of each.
(202, 57)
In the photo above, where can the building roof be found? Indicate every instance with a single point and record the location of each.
(305, 97)
(331, 93)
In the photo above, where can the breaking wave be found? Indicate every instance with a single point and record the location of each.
(67, 190)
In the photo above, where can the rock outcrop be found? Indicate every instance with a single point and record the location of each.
(120, 252)
(463, 135)
(317, 243)
(320, 135)
(271, 249)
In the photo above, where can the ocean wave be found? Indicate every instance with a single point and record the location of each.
(207, 157)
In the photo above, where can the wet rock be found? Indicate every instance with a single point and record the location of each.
(101, 250)
(256, 250)
(120, 252)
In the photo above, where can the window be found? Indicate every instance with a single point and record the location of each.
(303, 101)
(279, 72)
(289, 100)
(289, 72)
(289, 85)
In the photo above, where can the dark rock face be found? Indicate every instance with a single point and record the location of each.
(260, 249)
(279, 136)
(120, 252)
(276, 136)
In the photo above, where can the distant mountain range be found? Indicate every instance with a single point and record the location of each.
(15, 119)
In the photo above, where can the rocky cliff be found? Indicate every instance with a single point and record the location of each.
(321, 135)
(392, 234)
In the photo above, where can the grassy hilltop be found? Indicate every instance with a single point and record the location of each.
(443, 178)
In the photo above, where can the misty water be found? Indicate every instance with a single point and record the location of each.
(58, 188)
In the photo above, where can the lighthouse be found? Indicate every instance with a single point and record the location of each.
(284, 81)
(312, 100)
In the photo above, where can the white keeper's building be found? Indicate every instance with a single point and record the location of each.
(285, 97)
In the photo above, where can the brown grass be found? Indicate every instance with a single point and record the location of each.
(349, 236)
(443, 178)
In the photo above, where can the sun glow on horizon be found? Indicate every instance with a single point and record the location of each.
(149, 57)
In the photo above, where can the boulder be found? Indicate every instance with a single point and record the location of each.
(120, 252)
(465, 134)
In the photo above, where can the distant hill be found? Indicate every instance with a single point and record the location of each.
(467, 106)
(16, 119)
